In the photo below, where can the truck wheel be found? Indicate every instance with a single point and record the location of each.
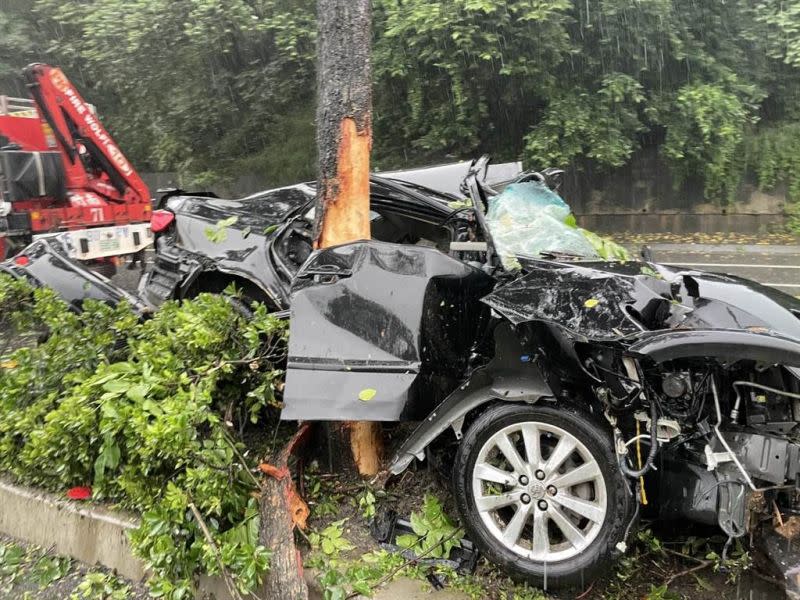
(540, 493)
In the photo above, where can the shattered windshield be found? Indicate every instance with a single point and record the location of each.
(530, 219)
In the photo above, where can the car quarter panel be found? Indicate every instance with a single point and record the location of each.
(508, 377)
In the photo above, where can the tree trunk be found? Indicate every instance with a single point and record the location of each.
(281, 509)
(344, 139)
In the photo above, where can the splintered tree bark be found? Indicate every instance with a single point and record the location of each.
(344, 139)
(281, 510)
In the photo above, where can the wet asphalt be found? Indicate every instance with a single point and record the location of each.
(776, 266)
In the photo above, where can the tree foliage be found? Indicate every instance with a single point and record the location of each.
(215, 89)
(141, 414)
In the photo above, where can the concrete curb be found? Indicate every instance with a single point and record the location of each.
(91, 534)
(95, 535)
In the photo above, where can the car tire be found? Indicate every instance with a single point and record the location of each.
(565, 535)
(241, 306)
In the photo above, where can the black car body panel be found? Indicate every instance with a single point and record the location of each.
(721, 344)
(613, 301)
(509, 377)
(242, 251)
(270, 238)
(380, 331)
(45, 263)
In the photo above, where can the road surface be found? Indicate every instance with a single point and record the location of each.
(776, 266)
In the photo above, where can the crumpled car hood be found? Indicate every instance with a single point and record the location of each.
(607, 301)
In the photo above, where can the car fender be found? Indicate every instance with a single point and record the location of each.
(726, 345)
(509, 377)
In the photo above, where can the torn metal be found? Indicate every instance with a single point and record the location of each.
(268, 236)
(46, 263)
(386, 328)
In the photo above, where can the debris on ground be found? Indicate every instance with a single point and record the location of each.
(387, 528)
(630, 238)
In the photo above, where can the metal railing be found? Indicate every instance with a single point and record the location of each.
(17, 107)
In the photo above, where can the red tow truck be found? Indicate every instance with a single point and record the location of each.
(61, 172)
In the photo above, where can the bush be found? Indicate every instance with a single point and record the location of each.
(135, 409)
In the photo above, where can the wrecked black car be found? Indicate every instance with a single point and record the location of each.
(46, 263)
(562, 387)
(569, 386)
(204, 243)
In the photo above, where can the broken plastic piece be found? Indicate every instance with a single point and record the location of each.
(529, 219)
(79, 493)
(714, 459)
(436, 580)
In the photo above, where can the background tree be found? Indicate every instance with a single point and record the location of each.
(216, 89)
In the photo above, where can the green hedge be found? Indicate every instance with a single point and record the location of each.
(135, 410)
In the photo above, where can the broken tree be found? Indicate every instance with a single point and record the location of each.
(344, 138)
(282, 510)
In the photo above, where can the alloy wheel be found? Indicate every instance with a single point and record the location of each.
(539, 491)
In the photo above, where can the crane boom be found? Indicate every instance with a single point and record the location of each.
(92, 158)
(61, 171)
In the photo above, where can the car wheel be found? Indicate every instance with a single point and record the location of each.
(241, 306)
(540, 493)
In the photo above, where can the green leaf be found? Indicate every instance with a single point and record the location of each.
(227, 222)
(328, 547)
(406, 540)
(703, 583)
(116, 387)
(367, 394)
(137, 392)
(419, 525)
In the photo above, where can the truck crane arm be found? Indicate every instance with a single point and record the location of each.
(92, 159)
